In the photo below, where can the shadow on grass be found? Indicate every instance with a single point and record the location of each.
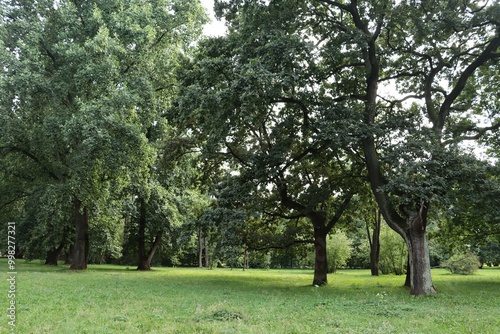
(282, 281)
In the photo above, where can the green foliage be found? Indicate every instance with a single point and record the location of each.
(489, 253)
(84, 86)
(338, 250)
(360, 253)
(260, 260)
(463, 263)
(393, 252)
(106, 233)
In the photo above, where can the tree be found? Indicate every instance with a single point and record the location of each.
(257, 97)
(473, 216)
(339, 251)
(441, 54)
(82, 82)
(409, 150)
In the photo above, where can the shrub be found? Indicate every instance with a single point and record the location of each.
(338, 251)
(464, 264)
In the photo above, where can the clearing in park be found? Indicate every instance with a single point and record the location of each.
(117, 299)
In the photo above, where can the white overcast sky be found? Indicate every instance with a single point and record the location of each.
(214, 28)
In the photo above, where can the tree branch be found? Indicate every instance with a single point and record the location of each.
(340, 211)
(487, 54)
(34, 158)
(479, 133)
(285, 246)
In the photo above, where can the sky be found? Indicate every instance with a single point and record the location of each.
(214, 28)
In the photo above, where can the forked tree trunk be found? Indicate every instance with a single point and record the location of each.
(320, 261)
(53, 255)
(321, 229)
(145, 261)
(81, 247)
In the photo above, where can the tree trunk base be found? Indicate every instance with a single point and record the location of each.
(320, 262)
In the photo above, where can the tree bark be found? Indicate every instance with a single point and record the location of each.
(81, 246)
(320, 261)
(144, 259)
(321, 229)
(418, 251)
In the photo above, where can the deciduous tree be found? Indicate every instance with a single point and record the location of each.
(82, 82)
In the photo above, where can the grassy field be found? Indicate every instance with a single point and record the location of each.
(113, 299)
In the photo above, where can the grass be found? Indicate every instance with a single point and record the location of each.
(114, 299)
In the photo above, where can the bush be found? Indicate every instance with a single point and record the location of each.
(338, 251)
(464, 264)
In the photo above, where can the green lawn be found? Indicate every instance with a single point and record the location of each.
(113, 299)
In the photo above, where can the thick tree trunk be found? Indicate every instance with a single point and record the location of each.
(320, 262)
(81, 247)
(413, 230)
(418, 251)
(53, 255)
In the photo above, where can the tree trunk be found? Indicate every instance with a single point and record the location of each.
(320, 261)
(200, 248)
(146, 263)
(374, 243)
(81, 247)
(207, 258)
(418, 251)
(53, 255)
(141, 238)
